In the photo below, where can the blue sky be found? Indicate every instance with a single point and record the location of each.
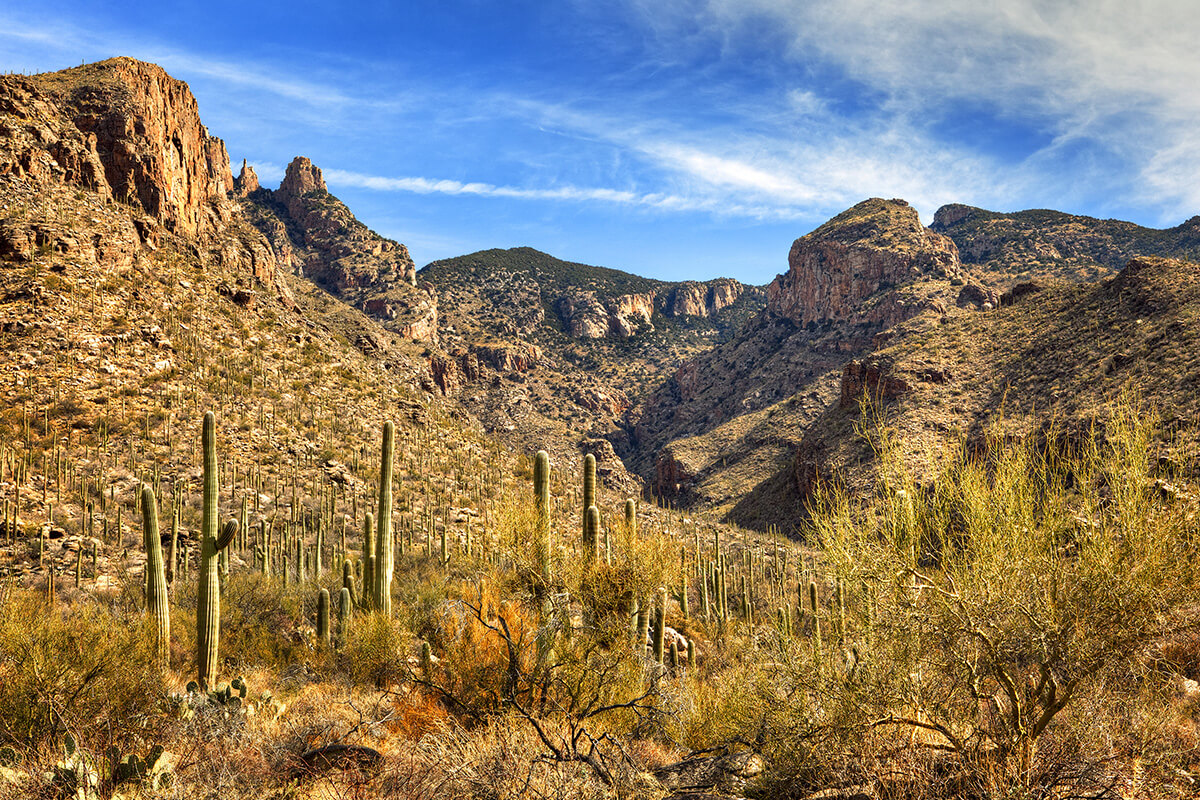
(672, 138)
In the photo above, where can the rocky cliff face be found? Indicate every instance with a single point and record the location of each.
(725, 428)
(316, 235)
(587, 317)
(864, 252)
(126, 131)
(124, 128)
(692, 299)
(342, 254)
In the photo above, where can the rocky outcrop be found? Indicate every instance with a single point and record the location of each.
(859, 254)
(630, 313)
(451, 373)
(127, 129)
(341, 254)
(509, 357)
(671, 475)
(872, 378)
(585, 316)
(301, 178)
(315, 235)
(246, 182)
(692, 299)
(602, 400)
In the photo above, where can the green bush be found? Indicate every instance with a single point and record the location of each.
(81, 669)
(982, 609)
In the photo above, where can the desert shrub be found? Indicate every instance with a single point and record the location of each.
(81, 669)
(375, 651)
(263, 622)
(982, 610)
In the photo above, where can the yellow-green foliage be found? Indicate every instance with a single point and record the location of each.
(982, 606)
(82, 669)
(375, 651)
(263, 622)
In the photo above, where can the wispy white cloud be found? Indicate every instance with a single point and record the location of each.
(673, 202)
(1111, 76)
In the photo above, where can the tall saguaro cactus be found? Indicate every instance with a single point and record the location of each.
(589, 481)
(368, 561)
(382, 591)
(541, 491)
(212, 542)
(156, 576)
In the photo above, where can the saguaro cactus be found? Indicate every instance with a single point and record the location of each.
(345, 612)
(631, 516)
(212, 542)
(589, 481)
(368, 561)
(660, 626)
(382, 595)
(323, 616)
(541, 491)
(591, 535)
(156, 576)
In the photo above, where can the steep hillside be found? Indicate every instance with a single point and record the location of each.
(1041, 244)
(314, 235)
(727, 421)
(1060, 356)
(543, 348)
(134, 295)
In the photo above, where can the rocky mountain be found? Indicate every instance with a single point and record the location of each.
(123, 132)
(316, 236)
(1041, 244)
(731, 418)
(1049, 359)
(134, 267)
(547, 350)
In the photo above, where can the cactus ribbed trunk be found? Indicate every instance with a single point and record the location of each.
(156, 576)
(541, 491)
(660, 626)
(631, 516)
(345, 613)
(368, 561)
(208, 602)
(383, 523)
(591, 535)
(589, 480)
(323, 617)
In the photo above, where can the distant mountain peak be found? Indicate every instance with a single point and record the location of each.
(873, 246)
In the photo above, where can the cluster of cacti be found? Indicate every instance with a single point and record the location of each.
(234, 694)
(75, 775)
(153, 772)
